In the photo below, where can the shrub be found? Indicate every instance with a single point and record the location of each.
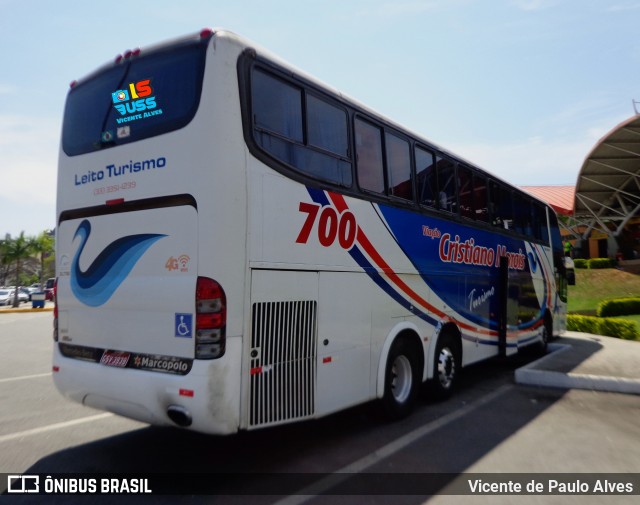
(619, 307)
(596, 263)
(584, 324)
(580, 263)
(618, 328)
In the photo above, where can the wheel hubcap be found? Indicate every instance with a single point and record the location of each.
(401, 379)
(446, 368)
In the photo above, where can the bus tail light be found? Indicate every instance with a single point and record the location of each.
(211, 319)
(55, 310)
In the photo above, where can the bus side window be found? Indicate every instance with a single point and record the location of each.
(426, 177)
(465, 192)
(447, 199)
(327, 154)
(522, 216)
(277, 107)
(480, 198)
(327, 127)
(279, 119)
(369, 156)
(501, 206)
(398, 167)
(539, 222)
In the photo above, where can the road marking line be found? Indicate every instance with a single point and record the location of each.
(344, 473)
(51, 427)
(34, 376)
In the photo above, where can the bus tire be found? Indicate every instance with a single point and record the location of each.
(401, 380)
(547, 332)
(446, 367)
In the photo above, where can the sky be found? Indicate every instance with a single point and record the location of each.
(522, 88)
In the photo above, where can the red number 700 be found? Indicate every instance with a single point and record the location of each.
(331, 225)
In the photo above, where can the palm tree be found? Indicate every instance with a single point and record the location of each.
(43, 246)
(4, 271)
(15, 250)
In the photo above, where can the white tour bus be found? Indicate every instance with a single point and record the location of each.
(241, 246)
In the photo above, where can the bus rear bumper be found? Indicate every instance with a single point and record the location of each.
(205, 400)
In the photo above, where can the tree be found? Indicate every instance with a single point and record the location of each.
(4, 265)
(14, 251)
(42, 246)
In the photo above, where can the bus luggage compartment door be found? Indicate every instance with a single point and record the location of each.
(127, 281)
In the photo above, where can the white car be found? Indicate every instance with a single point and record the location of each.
(6, 296)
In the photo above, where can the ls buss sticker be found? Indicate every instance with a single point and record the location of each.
(183, 325)
(135, 102)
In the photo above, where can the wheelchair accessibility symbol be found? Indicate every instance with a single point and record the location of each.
(183, 325)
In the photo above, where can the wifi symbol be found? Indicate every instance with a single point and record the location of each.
(183, 261)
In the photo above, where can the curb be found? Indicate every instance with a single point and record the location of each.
(27, 311)
(528, 375)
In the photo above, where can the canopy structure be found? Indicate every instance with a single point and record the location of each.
(608, 189)
(606, 197)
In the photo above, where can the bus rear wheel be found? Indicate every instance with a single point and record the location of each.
(401, 381)
(547, 332)
(447, 362)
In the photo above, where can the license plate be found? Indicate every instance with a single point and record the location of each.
(115, 358)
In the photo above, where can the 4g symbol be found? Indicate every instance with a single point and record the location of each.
(181, 263)
(331, 225)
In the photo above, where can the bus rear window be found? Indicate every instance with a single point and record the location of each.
(135, 99)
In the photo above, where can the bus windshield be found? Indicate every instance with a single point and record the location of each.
(136, 98)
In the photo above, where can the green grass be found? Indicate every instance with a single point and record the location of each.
(593, 286)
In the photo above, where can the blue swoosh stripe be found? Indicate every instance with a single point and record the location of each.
(98, 283)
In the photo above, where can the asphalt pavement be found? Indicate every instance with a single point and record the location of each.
(491, 427)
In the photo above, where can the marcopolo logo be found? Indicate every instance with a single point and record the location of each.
(162, 364)
(135, 102)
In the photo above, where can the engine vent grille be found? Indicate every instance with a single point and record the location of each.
(283, 361)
